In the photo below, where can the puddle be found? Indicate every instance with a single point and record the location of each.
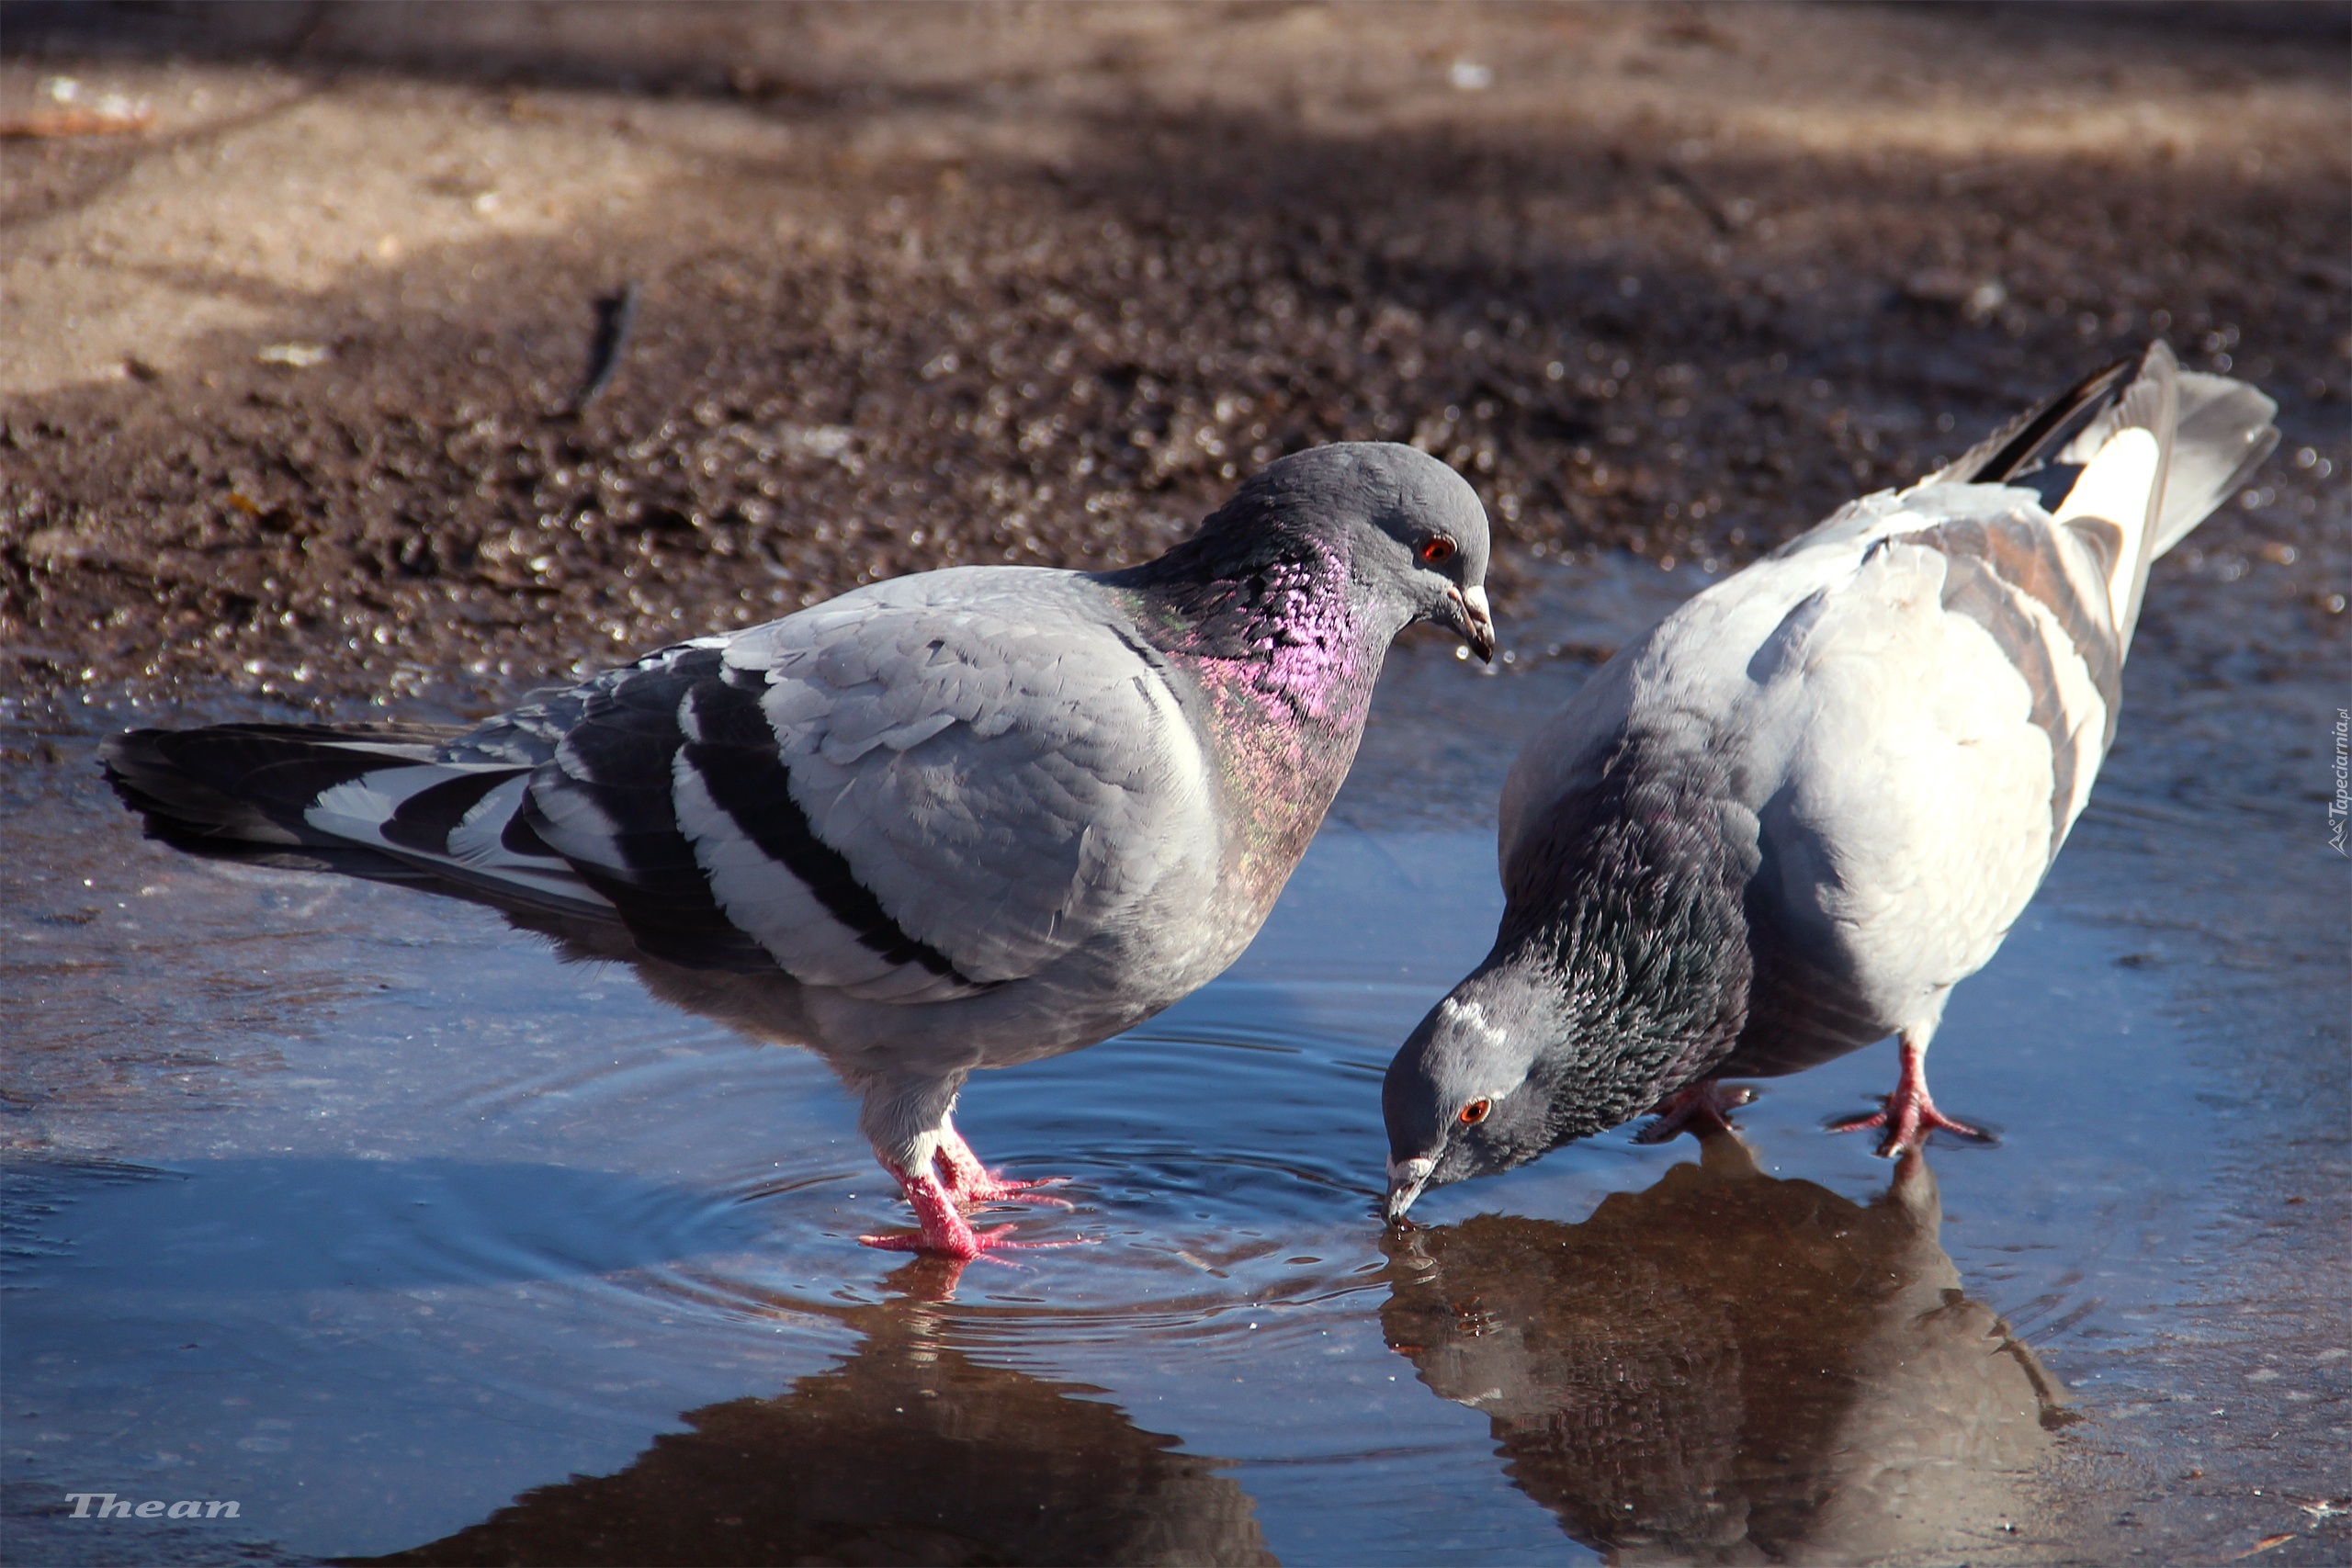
(358, 1208)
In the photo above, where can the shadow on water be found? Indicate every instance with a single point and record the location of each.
(1731, 1367)
(909, 1451)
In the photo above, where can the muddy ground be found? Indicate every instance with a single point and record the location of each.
(290, 396)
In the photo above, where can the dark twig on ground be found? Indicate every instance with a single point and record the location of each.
(616, 318)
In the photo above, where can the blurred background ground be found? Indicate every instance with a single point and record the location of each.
(287, 395)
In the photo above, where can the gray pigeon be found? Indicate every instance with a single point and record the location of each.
(971, 818)
(1787, 821)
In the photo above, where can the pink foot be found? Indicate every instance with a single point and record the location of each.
(1699, 1109)
(945, 1230)
(1910, 1114)
(970, 1183)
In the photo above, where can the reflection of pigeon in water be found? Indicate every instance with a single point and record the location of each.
(1786, 822)
(906, 1452)
(1733, 1369)
(974, 816)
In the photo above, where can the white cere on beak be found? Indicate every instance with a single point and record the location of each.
(1406, 1180)
(1479, 618)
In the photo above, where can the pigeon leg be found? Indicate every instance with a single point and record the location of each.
(970, 1182)
(945, 1229)
(1697, 1108)
(1910, 1113)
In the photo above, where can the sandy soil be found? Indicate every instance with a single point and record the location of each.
(289, 386)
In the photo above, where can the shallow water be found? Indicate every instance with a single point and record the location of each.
(358, 1208)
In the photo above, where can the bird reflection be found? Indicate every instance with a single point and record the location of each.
(909, 1452)
(1729, 1368)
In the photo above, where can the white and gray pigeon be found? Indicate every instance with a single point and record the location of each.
(962, 819)
(1783, 824)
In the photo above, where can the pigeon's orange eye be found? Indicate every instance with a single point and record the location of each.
(1437, 551)
(1476, 1112)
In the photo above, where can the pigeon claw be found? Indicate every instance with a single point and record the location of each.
(970, 1183)
(1907, 1126)
(945, 1232)
(997, 1190)
(971, 1244)
(1910, 1113)
(1699, 1109)
(963, 1247)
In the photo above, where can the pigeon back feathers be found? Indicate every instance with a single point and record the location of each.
(919, 792)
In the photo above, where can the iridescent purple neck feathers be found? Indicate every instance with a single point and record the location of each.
(1278, 614)
(1293, 628)
(1285, 656)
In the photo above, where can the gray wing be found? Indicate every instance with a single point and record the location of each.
(1931, 720)
(916, 792)
(1918, 740)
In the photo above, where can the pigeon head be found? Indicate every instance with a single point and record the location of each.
(1474, 1089)
(1417, 536)
(1621, 972)
(1400, 536)
(1510, 1066)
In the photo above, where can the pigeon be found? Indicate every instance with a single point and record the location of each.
(964, 818)
(1783, 824)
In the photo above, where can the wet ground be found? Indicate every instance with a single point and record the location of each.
(360, 1209)
(357, 1208)
(292, 378)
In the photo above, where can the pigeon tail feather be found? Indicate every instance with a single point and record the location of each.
(2223, 432)
(388, 802)
(2122, 479)
(250, 784)
(2025, 442)
(2210, 432)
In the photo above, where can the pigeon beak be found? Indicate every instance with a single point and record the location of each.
(1406, 1180)
(1474, 620)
